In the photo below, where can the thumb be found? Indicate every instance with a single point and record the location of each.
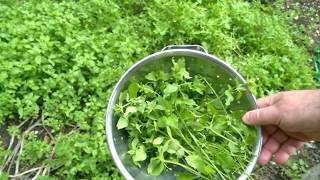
(264, 116)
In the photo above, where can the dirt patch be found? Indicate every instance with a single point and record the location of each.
(308, 17)
(5, 138)
(306, 158)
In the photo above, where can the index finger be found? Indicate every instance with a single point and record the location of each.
(264, 101)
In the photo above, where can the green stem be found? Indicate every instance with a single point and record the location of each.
(236, 129)
(203, 152)
(216, 94)
(186, 168)
(218, 134)
(206, 155)
(185, 140)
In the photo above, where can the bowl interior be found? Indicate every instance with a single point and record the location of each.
(213, 69)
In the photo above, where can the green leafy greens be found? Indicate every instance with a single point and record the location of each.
(175, 119)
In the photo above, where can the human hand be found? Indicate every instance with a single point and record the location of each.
(288, 119)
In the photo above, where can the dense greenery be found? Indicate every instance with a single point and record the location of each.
(59, 61)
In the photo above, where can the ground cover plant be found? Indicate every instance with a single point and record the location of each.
(178, 119)
(59, 61)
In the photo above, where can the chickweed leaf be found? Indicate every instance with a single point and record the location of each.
(158, 140)
(155, 167)
(122, 123)
(228, 94)
(130, 110)
(194, 161)
(170, 88)
(140, 154)
(133, 90)
(179, 70)
(151, 76)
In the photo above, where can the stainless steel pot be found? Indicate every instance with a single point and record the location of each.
(200, 62)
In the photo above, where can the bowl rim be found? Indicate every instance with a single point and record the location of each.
(157, 56)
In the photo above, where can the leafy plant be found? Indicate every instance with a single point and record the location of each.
(175, 119)
(34, 151)
(295, 168)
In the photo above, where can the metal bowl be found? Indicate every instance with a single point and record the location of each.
(199, 62)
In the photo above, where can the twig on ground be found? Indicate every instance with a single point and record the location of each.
(25, 172)
(10, 145)
(18, 158)
(6, 156)
(49, 133)
(38, 173)
(44, 171)
(12, 157)
(21, 124)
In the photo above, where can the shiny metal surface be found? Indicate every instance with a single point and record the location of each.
(198, 62)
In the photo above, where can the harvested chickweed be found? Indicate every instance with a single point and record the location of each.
(175, 119)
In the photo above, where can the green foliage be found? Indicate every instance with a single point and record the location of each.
(34, 151)
(295, 169)
(4, 176)
(46, 178)
(59, 61)
(2, 152)
(179, 125)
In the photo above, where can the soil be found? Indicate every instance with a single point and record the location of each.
(5, 138)
(309, 17)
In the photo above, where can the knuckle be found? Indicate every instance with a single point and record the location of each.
(277, 97)
(277, 116)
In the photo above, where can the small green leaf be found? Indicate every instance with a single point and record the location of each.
(163, 76)
(171, 121)
(186, 101)
(171, 88)
(130, 109)
(134, 143)
(140, 154)
(226, 161)
(229, 96)
(122, 123)
(148, 90)
(151, 76)
(155, 167)
(158, 140)
(133, 90)
(180, 153)
(13, 130)
(208, 170)
(233, 148)
(198, 86)
(179, 70)
(217, 103)
(194, 161)
(173, 146)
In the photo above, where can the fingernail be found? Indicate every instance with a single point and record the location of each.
(245, 118)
